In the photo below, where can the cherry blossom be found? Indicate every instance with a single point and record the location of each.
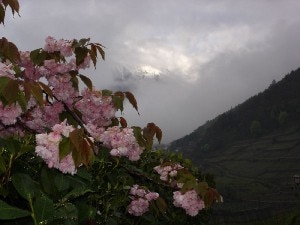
(47, 147)
(140, 200)
(190, 202)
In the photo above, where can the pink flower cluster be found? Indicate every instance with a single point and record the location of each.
(62, 46)
(40, 119)
(48, 148)
(168, 172)
(121, 142)
(30, 72)
(140, 200)
(9, 113)
(62, 88)
(190, 202)
(95, 108)
(6, 70)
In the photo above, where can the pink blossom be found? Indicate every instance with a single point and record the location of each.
(121, 142)
(9, 113)
(62, 46)
(168, 172)
(138, 207)
(190, 202)
(31, 72)
(46, 117)
(140, 200)
(63, 89)
(11, 131)
(6, 70)
(47, 147)
(95, 108)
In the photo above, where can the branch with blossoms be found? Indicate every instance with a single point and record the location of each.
(66, 158)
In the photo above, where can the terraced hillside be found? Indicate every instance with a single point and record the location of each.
(258, 169)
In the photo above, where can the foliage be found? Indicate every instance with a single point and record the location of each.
(255, 128)
(66, 158)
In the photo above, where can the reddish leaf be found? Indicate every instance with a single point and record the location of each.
(86, 81)
(27, 90)
(123, 122)
(93, 54)
(9, 50)
(46, 89)
(2, 14)
(12, 52)
(10, 92)
(211, 196)
(161, 205)
(14, 5)
(83, 149)
(101, 51)
(37, 93)
(74, 79)
(132, 100)
(158, 133)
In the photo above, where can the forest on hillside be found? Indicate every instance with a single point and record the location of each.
(275, 108)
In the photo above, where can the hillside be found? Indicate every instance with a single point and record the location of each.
(276, 108)
(253, 150)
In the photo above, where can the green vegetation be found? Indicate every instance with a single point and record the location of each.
(253, 150)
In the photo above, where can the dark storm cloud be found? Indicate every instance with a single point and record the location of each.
(185, 61)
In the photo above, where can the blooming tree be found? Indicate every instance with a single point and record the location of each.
(67, 158)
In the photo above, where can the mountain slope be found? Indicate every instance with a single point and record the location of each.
(253, 149)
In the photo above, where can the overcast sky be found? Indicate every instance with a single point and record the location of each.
(186, 61)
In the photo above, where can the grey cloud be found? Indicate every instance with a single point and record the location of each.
(211, 55)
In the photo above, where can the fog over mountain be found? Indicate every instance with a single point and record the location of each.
(185, 61)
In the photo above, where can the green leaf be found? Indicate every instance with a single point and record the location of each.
(118, 102)
(38, 56)
(43, 210)
(106, 92)
(21, 99)
(137, 131)
(77, 192)
(67, 214)
(84, 41)
(47, 177)
(25, 186)
(61, 182)
(85, 212)
(2, 165)
(86, 81)
(80, 54)
(11, 90)
(3, 82)
(11, 145)
(8, 212)
(65, 147)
